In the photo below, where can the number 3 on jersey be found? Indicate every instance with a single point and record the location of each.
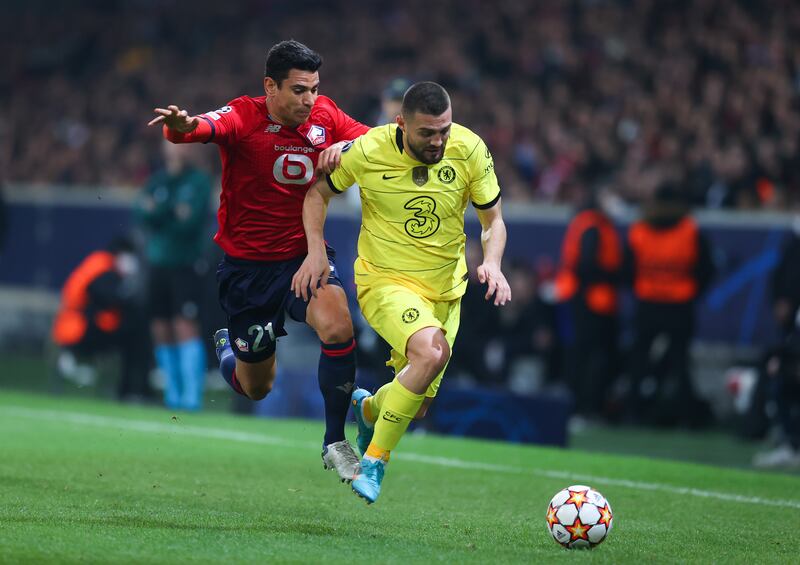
(293, 169)
(425, 222)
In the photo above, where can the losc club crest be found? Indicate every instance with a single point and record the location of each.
(419, 175)
(316, 135)
(447, 174)
(410, 315)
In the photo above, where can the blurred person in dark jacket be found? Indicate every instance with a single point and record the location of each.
(174, 209)
(392, 100)
(786, 282)
(780, 374)
(100, 312)
(590, 271)
(669, 265)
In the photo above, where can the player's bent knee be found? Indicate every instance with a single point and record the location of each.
(256, 378)
(338, 331)
(258, 391)
(331, 321)
(431, 359)
(436, 358)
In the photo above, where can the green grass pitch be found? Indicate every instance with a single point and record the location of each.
(93, 482)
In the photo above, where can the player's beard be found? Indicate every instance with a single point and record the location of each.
(427, 154)
(302, 115)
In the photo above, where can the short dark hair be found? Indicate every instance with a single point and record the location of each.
(288, 55)
(121, 243)
(670, 191)
(427, 98)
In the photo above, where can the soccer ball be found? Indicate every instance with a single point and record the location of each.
(579, 517)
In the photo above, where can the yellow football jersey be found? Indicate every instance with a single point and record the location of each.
(412, 227)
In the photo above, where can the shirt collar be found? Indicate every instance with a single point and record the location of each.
(398, 138)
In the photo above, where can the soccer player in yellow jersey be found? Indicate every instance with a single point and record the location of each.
(416, 178)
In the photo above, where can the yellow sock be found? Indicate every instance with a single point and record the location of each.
(372, 404)
(398, 408)
(377, 453)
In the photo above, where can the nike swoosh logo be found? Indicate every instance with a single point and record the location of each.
(385, 177)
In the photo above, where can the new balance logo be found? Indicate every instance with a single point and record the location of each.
(391, 417)
(346, 388)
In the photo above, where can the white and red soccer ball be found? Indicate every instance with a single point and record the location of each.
(579, 517)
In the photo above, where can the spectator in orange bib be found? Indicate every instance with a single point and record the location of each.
(99, 312)
(591, 262)
(669, 265)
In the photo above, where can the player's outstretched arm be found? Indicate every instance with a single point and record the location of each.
(175, 119)
(315, 268)
(493, 239)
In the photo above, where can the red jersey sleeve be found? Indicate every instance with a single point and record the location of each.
(222, 126)
(345, 128)
(202, 134)
(228, 123)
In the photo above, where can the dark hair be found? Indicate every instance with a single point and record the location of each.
(121, 243)
(669, 203)
(427, 98)
(670, 192)
(288, 55)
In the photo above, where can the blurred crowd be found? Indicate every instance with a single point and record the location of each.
(614, 324)
(567, 94)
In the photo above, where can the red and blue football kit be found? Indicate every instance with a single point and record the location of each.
(267, 168)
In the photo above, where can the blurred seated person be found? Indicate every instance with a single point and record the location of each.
(526, 348)
(99, 313)
(515, 347)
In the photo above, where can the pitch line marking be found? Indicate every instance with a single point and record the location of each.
(252, 438)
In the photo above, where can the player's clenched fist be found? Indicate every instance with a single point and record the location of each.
(175, 118)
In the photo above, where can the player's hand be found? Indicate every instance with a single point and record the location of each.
(491, 274)
(330, 158)
(175, 118)
(314, 271)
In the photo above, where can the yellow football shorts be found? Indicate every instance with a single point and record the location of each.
(397, 312)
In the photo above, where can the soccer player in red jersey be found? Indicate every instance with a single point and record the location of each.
(271, 147)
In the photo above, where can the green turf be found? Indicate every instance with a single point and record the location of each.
(711, 447)
(93, 482)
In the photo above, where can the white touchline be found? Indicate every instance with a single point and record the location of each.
(247, 437)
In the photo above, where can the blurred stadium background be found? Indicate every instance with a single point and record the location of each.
(571, 97)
